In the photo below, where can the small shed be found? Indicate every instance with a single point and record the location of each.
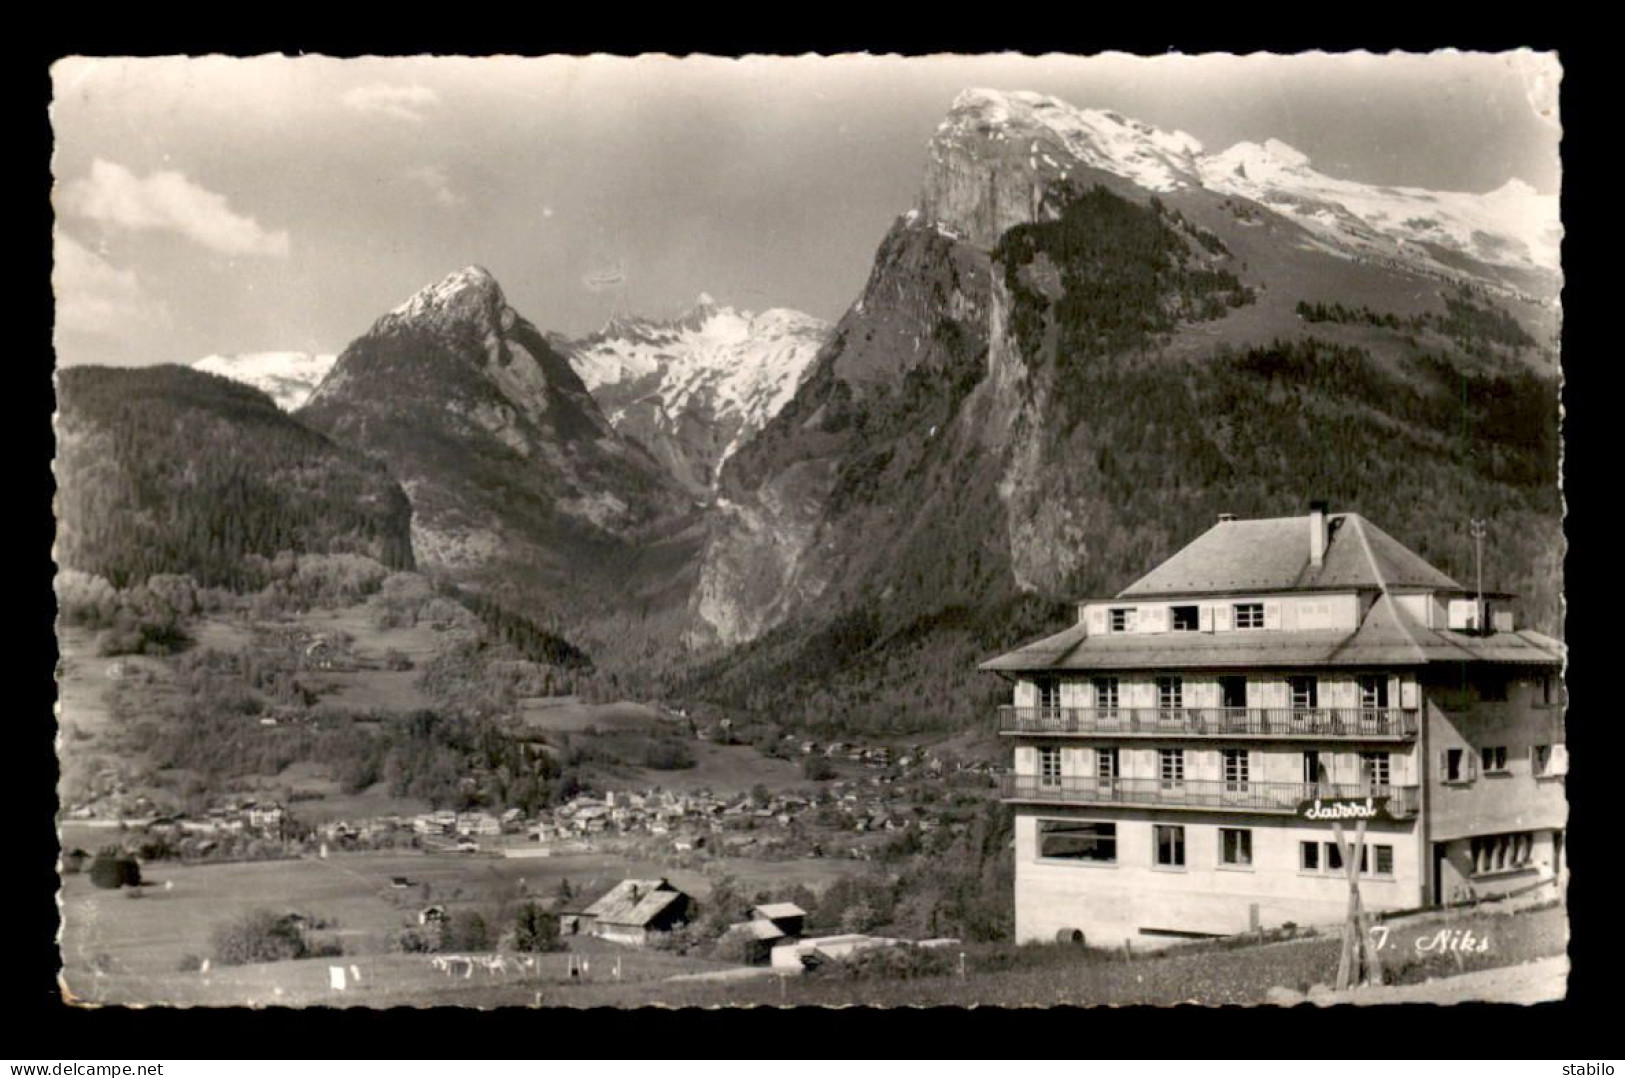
(634, 910)
(787, 917)
(756, 939)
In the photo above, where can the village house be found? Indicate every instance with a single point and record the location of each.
(1171, 747)
(633, 911)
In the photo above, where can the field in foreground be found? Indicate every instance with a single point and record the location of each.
(122, 950)
(118, 948)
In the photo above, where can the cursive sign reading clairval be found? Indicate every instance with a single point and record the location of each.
(1343, 808)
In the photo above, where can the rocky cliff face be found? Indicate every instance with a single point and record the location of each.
(996, 153)
(515, 475)
(695, 388)
(885, 386)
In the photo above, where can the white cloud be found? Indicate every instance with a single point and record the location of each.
(399, 102)
(93, 296)
(434, 180)
(167, 201)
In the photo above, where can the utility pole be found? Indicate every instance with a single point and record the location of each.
(1478, 528)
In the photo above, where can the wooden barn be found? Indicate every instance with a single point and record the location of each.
(634, 910)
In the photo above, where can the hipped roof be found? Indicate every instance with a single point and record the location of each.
(1273, 555)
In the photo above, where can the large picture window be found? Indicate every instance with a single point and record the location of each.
(1077, 840)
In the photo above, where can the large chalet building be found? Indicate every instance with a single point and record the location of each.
(1167, 745)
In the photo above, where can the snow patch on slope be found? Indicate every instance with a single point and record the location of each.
(732, 368)
(287, 377)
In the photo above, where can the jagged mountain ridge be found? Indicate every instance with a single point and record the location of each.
(289, 378)
(1508, 238)
(692, 389)
(519, 485)
(1055, 376)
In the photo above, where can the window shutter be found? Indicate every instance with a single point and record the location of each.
(1153, 619)
(1205, 619)
(1095, 621)
(1222, 616)
(1408, 695)
(1444, 765)
(1560, 760)
(1272, 615)
(1472, 764)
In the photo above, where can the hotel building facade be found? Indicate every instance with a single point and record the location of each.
(1165, 744)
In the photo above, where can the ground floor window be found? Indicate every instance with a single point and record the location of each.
(1500, 853)
(1170, 845)
(1235, 846)
(1376, 859)
(1078, 840)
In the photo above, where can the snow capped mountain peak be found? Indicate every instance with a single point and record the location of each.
(693, 388)
(287, 377)
(996, 150)
(1066, 135)
(469, 287)
(1513, 226)
(1256, 160)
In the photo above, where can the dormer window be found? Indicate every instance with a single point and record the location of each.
(1185, 619)
(1121, 619)
(1249, 615)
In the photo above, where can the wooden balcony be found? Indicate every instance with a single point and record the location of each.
(1208, 794)
(1285, 723)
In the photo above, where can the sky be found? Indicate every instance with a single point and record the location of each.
(229, 205)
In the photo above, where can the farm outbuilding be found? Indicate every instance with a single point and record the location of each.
(756, 940)
(634, 910)
(787, 917)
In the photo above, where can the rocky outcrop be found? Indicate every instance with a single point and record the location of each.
(796, 514)
(515, 476)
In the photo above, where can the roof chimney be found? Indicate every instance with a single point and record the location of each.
(1317, 534)
(1227, 518)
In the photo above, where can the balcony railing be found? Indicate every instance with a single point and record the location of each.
(1283, 722)
(1283, 797)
